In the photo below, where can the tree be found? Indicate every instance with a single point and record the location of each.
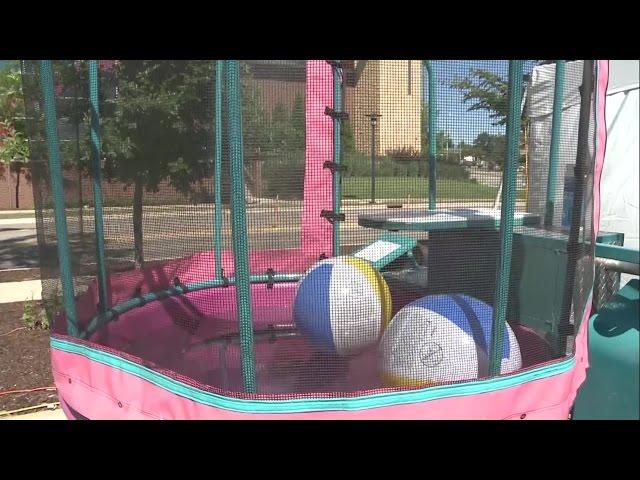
(158, 129)
(11, 98)
(491, 148)
(298, 124)
(484, 90)
(14, 151)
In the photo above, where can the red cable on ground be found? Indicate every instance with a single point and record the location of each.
(27, 390)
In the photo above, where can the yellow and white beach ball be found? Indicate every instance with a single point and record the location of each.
(342, 304)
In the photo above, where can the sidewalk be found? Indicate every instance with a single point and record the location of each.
(20, 291)
(49, 414)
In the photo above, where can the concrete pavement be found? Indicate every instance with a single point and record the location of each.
(51, 412)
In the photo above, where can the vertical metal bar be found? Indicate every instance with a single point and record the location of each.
(556, 123)
(433, 147)
(239, 227)
(506, 216)
(77, 125)
(96, 177)
(217, 181)
(57, 187)
(582, 173)
(337, 155)
(373, 160)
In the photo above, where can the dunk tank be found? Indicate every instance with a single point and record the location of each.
(346, 239)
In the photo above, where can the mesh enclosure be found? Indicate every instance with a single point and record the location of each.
(372, 193)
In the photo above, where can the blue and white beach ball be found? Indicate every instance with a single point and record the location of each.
(442, 338)
(342, 304)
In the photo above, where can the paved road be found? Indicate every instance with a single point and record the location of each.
(492, 179)
(18, 246)
(175, 231)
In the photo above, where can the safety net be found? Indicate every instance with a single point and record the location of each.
(291, 228)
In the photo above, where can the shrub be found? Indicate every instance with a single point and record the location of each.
(34, 317)
(283, 175)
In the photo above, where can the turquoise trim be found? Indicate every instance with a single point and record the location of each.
(616, 252)
(311, 405)
(403, 244)
(420, 222)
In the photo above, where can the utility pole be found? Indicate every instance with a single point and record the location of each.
(373, 119)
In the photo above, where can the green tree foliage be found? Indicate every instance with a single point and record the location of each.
(491, 148)
(14, 150)
(348, 140)
(157, 128)
(484, 90)
(443, 139)
(11, 98)
(488, 91)
(298, 124)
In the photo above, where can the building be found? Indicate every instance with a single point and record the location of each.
(392, 89)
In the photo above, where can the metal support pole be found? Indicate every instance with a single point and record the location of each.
(57, 187)
(96, 177)
(337, 154)
(373, 119)
(433, 147)
(217, 174)
(239, 227)
(506, 217)
(373, 163)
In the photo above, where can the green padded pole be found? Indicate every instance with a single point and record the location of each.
(433, 140)
(57, 187)
(239, 227)
(337, 156)
(556, 123)
(506, 216)
(135, 302)
(217, 180)
(96, 177)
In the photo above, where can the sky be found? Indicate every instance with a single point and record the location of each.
(453, 117)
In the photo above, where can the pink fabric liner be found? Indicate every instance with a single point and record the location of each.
(318, 187)
(98, 391)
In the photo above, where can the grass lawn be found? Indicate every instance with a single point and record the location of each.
(414, 187)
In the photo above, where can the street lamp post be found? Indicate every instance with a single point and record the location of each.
(373, 118)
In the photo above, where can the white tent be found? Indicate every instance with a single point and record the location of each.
(620, 179)
(539, 110)
(620, 182)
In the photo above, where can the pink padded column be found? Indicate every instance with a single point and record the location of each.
(316, 231)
